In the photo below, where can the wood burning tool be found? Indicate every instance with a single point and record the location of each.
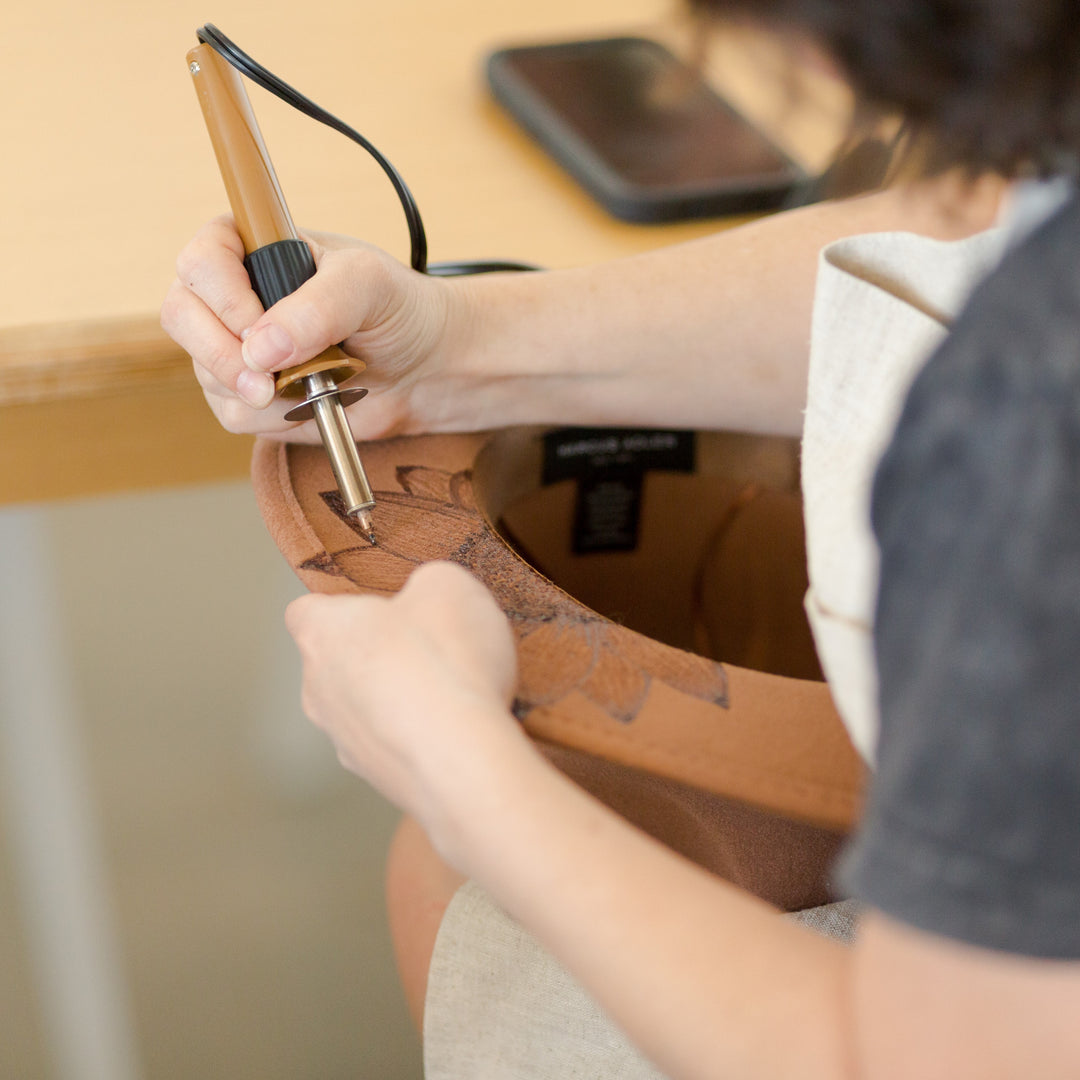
(279, 262)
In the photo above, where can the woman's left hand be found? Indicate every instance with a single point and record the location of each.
(413, 689)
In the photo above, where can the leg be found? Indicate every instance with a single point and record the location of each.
(419, 886)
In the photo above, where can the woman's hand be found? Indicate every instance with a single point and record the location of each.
(413, 690)
(394, 319)
(708, 334)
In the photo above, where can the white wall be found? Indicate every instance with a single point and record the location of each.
(244, 868)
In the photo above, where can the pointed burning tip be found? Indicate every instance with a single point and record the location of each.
(363, 519)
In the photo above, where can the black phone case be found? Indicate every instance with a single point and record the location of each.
(623, 198)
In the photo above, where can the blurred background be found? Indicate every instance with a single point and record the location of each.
(189, 884)
(244, 868)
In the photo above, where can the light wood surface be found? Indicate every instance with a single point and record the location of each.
(113, 172)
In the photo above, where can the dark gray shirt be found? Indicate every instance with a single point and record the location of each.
(973, 825)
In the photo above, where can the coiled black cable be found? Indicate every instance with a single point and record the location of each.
(262, 76)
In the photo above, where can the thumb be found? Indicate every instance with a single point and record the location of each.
(349, 291)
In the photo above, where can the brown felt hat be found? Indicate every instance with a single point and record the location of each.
(681, 659)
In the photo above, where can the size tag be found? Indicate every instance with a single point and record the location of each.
(609, 465)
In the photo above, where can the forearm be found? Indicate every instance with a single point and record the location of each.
(703, 977)
(710, 334)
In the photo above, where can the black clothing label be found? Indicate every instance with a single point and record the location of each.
(608, 465)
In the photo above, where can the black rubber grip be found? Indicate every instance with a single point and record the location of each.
(279, 269)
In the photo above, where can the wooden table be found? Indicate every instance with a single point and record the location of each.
(108, 172)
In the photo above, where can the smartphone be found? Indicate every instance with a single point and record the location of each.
(641, 130)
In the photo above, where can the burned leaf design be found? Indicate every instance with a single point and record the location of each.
(422, 522)
(526, 598)
(425, 483)
(555, 658)
(324, 563)
(686, 672)
(613, 667)
(616, 683)
(563, 655)
(563, 647)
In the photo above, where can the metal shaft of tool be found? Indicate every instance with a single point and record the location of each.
(340, 447)
(266, 227)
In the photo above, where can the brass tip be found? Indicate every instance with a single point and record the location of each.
(363, 519)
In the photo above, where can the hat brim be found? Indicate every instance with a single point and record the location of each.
(587, 682)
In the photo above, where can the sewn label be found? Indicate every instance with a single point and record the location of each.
(609, 465)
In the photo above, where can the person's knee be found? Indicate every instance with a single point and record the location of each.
(419, 886)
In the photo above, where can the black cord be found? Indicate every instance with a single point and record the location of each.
(262, 76)
(479, 266)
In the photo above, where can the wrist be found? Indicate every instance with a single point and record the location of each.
(471, 791)
(457, 387)
(525, 350)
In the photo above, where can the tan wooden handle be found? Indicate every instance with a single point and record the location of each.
(255, 196)
(258, 205)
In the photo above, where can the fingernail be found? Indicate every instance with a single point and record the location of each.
(256, 388)
(266, 347)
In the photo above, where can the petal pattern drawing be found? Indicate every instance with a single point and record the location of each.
(563, 646)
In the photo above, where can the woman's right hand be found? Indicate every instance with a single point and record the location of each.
(394, 319)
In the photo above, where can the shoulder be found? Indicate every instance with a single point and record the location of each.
(973, 830)
(1016, 341)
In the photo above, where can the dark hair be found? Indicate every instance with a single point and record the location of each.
(983, 84)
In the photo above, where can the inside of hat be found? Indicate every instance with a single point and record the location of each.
(708, 555)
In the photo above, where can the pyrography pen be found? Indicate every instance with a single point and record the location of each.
(279, 262)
